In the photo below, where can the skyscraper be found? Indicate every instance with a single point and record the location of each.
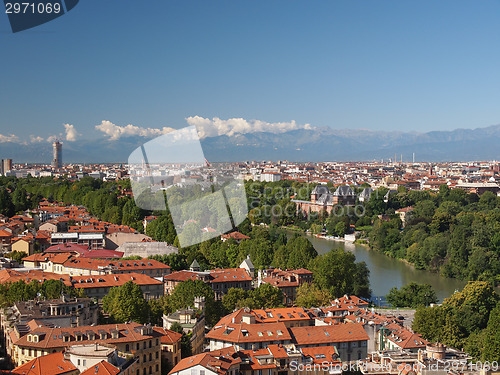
(57, 155)
(6, 165)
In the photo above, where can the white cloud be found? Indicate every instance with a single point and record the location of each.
(36, 139)
(8, 138)
(52, 138)
(116, 132)
(71, 132)
(212, 127)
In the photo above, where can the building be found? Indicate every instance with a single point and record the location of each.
(57, 155)
(221, 280)
(272, 360)
(405, 214)
(170, 347)
(287, 281)
(349, 339)
(132, 340)
(63, 312)
(6, 165)
(99, 286)
(73, 265)
(53, 364)
(322, 200)
(192, 320)
(91, 240)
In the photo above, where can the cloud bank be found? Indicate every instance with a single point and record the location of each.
(213, 127)
(115, 132)
(8, 138)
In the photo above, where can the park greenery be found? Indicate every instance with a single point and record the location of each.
(468, 319)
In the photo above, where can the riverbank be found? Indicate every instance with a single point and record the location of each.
(386, 272)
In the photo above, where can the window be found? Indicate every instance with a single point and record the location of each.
(150, 369)
(144, 358)
(127, 348)
(150, 356)
(157, 354)
(144, 345)
(79, 362)
(193, 371)
(157, 367)
(137, 346)
(84, 362)
(202, 372)
(150, 343)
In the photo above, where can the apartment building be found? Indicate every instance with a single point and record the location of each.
(130, 339)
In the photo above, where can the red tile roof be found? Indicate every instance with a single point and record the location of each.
(169, 337)
(53, 364)
(102, 368)
(53, 337)
(109, 281)
(11, 276)
(329, 334)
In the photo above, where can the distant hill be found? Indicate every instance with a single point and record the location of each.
(320, 144)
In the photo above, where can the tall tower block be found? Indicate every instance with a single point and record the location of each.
(57, 155)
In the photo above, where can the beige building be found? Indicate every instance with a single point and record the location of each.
(131, 340)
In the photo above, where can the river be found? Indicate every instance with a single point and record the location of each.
(386, 272)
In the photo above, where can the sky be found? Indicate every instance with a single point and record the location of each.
(142, 67)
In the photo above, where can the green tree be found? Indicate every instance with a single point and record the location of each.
(338, 272)
(232, 297)
(309, 295)
(267, 296)
(492, 336)
(186, 348)
(126, 303)
(412, 295)
(184, 294)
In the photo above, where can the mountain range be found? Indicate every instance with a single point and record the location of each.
(317, 144)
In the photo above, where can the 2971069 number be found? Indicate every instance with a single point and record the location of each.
(23, 8)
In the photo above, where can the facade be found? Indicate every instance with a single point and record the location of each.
(322, 200)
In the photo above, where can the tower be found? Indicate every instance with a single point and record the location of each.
(6, 166)
(57, 155)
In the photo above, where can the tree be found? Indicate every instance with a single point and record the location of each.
(477, 298)
(232, 297)
(184, 294)
(412, 295)
(126, 303)
(492, 336)
(300, 251)
(309, 295)
(338, 272)
(186, 348)
(267, 296)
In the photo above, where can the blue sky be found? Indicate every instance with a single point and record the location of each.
(382, 65)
